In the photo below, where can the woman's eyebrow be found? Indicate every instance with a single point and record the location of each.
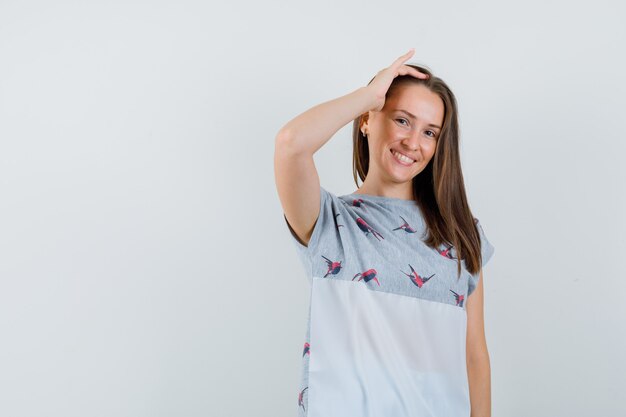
(412, 116)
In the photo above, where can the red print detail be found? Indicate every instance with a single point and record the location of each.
(416, 278)
(357, 202)
(301, 398)
(333, 267)
(459, 298)
(405, 227)
(446, 252)
(367, 276)
(367, 228)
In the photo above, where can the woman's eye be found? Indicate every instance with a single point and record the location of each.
(432, 133)
(401, 119)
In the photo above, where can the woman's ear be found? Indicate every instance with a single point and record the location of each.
(364, 124)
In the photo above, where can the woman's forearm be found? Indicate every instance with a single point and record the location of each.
(309, 131)
(479, 376)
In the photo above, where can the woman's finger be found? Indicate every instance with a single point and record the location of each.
(407, 69)
(418, 73)
(401, 60)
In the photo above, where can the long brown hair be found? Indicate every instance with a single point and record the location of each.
(438, 190)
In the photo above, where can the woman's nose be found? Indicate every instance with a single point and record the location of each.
(412, 141)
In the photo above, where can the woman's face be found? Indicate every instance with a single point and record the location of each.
(409, 123)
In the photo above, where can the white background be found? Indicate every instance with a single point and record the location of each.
(145, 266)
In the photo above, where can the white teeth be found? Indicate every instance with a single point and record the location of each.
(402, 157)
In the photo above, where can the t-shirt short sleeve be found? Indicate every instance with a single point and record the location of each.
(329, 204)
(486, 251)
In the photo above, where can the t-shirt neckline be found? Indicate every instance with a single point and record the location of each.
(380, 199)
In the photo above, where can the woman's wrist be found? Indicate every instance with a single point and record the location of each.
(367, 97)
(309, 131)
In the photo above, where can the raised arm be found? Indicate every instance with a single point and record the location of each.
(296, 177)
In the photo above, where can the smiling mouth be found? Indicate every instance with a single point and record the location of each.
(402, 161)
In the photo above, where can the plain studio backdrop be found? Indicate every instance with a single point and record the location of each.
(145, 266)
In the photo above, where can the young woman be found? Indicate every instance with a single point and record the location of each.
(392, 329)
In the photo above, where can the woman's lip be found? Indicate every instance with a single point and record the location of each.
(402, 163)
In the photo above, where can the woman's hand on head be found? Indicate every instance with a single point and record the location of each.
(380, 84)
